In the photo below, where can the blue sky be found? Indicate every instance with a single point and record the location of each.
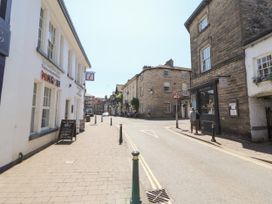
(121, 36)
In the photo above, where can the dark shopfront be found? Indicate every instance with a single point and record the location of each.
(5, 8)
(205, 100)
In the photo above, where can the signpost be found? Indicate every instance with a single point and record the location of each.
(176, 96)
(67, 130)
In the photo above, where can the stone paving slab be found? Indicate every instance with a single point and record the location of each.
(260, 151)
(94, 169)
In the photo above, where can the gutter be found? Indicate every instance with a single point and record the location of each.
(196, 12)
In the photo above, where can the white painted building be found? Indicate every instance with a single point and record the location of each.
(259, 83)
(43, 81)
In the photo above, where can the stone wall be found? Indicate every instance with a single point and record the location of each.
(224, 34)
(256, 18)
(153, 98)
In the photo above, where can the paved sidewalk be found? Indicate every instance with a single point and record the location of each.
(259, 151)
(95, 169)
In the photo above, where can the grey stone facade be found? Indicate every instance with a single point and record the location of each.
(156, 101)
(231, 24)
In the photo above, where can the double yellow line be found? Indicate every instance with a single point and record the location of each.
(151, 177)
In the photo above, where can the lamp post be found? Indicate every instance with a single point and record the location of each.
(176, 97)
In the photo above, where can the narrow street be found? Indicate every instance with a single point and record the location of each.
(194, 172)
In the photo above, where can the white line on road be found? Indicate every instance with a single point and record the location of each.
(225, 150)
(150, 132)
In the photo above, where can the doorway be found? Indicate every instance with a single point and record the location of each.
(67, 104)
(268, 112)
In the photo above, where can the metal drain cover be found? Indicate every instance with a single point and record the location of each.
(158, 196)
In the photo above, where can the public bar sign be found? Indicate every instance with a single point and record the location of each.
(67, 129)
(50, 79)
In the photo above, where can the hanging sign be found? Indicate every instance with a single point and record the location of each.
(89, 76)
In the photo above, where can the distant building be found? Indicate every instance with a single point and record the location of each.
(155, 87)
(218, 32)
(130, 91)
(43, 81)
(88, 102)
(259, 83)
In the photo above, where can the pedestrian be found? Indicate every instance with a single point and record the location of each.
(194, 119)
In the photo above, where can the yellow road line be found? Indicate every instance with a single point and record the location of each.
(154, 182)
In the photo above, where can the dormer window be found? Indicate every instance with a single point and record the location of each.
(203, 23)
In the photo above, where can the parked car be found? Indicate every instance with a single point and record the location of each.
(105, 114)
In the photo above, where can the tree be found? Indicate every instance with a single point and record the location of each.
(135, 104)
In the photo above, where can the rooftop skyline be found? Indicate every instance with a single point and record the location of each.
(121, 37)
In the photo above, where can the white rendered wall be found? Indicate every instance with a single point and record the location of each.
(260, 49)
(23, 67)
(257, 104)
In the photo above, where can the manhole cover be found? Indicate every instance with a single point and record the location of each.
(158, 196)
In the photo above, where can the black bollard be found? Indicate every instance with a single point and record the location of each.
(95, 119)
(121, 135)
(101, 118)
(135, 196)
(110, 121)
(213, 133)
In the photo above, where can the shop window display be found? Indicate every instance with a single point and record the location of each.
(207, 101)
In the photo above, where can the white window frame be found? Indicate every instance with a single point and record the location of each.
(46, 105)
(203, 23)
(167, 85)
(70, 63)
(51, 47)
(41, 28)
(205, 59)
(166, 73)
(61, 49)
(34, 109)
(264, 65)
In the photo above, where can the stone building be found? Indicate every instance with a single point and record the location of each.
(43, 81)
(156, 86)
(130, 91)
(259, 83)
(218, 31)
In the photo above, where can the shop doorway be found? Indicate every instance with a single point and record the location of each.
(269, 121)
(67, 104)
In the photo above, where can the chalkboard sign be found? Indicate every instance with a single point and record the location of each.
(67, 129)
(82, 126)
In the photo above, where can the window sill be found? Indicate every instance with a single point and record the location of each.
(42, 133)
(45, 56)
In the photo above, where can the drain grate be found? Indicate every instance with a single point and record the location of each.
(158, 196)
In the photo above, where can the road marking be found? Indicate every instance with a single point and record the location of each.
(226, 150)
(150, 132)
(151, 177)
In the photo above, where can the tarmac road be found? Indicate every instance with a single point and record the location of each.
(195, 172)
